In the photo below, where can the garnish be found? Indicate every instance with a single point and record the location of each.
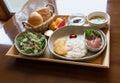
(89, 32)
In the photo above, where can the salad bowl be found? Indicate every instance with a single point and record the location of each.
(30, 43)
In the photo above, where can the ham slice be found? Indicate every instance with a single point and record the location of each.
(95, 43)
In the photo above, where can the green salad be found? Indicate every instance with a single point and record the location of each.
(31, 42)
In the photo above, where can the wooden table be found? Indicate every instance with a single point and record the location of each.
(14, 70)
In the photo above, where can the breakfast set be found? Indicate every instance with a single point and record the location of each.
(70, 39)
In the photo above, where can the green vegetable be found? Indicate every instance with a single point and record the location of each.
(31, 42)
(89, 32)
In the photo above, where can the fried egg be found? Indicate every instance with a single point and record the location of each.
(76, 47)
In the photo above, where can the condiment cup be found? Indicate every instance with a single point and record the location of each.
(76, 19)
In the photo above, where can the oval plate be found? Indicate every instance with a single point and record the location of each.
(67, 30)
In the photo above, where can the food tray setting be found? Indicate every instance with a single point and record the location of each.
(99, 59)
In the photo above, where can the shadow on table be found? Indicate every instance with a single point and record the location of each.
(57, 70)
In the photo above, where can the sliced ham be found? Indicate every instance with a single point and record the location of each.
(95, 43)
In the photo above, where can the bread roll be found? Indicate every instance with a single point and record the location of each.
(35, 19)
(45, 13)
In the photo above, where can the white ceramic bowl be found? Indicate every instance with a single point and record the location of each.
(102, 36)
(98, 19)
(17, 45)
(66, 31)
(76, 20)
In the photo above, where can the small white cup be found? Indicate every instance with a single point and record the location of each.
(77, 19)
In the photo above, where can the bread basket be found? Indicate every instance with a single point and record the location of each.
(45, 25)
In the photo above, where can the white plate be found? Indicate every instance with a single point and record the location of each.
(67, 30)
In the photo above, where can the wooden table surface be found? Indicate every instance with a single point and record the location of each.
(14, 70)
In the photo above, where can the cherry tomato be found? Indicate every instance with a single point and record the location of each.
(73, 36)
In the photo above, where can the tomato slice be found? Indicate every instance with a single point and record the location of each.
(62, 23)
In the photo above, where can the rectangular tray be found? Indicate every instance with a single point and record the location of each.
(103, 61)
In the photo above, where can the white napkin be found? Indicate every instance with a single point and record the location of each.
(29, 7)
